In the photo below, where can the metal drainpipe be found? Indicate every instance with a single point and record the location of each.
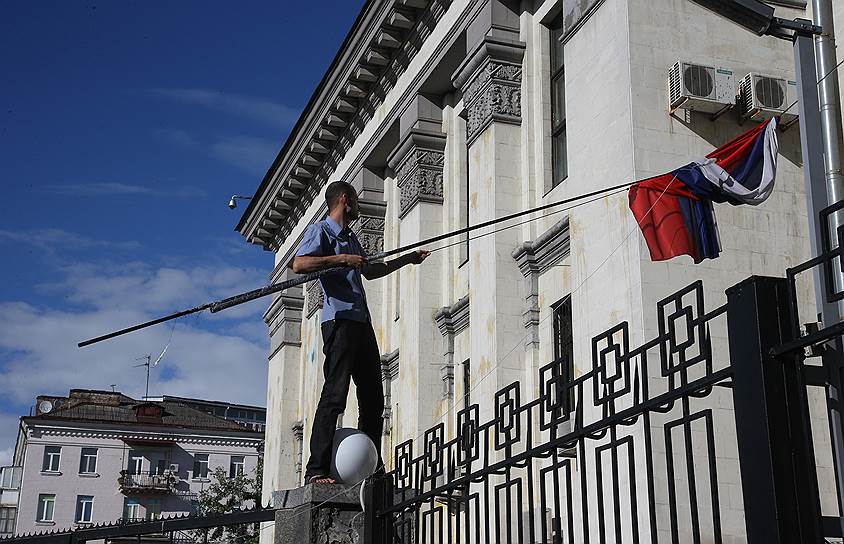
(830, 108)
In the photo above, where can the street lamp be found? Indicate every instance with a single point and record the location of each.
(750, 14)
(758, 17)
(235, 198)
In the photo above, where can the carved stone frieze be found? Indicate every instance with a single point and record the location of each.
(495, 94)
(370, 228)
(420, 178)
(314, 298)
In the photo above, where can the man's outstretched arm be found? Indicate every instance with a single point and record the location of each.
(304, 264)
(373, 271)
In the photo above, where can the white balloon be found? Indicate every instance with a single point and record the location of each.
(353, 456)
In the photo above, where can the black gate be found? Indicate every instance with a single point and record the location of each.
(700, 434)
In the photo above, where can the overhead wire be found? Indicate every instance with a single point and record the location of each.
(521, 340)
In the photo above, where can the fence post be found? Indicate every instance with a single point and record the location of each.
(376, 530)
(778, 476)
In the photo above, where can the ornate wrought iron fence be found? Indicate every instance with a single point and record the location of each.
(634, 461)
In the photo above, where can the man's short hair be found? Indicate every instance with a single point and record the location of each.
(335, 190)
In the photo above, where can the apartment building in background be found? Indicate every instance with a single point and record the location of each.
(254, 417)
(101, 456)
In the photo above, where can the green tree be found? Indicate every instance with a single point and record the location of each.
(228, 494)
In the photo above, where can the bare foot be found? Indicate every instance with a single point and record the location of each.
(322, 480)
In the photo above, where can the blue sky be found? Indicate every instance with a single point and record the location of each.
(125, 128)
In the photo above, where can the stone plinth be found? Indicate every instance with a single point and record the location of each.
(318, 514)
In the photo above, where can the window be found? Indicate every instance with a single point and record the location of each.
(161, 465)
(200, 465)
(559, 157)
(52, 458)
(84, 508)
(131, 509)
(88, 461)
(236, 466)
(46, 507)
(153, 508)
(136, 463)
(7, 520)
(564, 343)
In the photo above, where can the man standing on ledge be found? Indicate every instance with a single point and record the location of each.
(351, 351)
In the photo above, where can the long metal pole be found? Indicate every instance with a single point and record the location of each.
(811, 142)
(830, 117)
(817, 198)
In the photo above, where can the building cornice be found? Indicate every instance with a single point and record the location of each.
(380, 45)
(145, 435)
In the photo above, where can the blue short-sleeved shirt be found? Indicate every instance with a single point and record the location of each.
(344, 297)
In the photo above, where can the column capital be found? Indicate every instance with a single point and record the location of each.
(370, 227)
(491, 82)
(418, 163)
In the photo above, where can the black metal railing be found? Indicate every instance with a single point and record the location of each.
(634, 458)
(147, 482)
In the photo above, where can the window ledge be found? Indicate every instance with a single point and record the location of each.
(89, 475)
(201, 480)
(45, 523)
(51, 473)
(83, 523)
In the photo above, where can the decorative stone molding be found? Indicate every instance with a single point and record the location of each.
(491, 81)
(89, 434)
(451, 320)
(284, 318)
(389, 372)
(418, 162)
(534, 258)
(314, 298)
(370, 227)
(298, 429)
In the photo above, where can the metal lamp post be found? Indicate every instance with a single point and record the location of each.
(759, 18)
(821, 172)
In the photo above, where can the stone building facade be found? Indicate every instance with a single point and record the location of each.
(100, 456)
(448, 113)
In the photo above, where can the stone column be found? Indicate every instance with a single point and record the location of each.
(490, 80)
(418, 165)
(284, 319)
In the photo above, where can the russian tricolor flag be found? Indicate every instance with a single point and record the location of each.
(675, 211)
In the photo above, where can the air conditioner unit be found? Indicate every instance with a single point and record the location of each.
(697, 87)
(762, 97)
(174, 468)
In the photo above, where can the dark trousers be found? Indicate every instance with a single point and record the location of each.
(351, 352)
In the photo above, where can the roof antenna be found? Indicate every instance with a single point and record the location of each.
(148, 357)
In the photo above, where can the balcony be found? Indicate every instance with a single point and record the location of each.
(146, 483)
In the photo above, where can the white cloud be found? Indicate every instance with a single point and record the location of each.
(177, 137)
(51, 240)
(252, 154)
(113, 188)
(220, 356)
(250, 107)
